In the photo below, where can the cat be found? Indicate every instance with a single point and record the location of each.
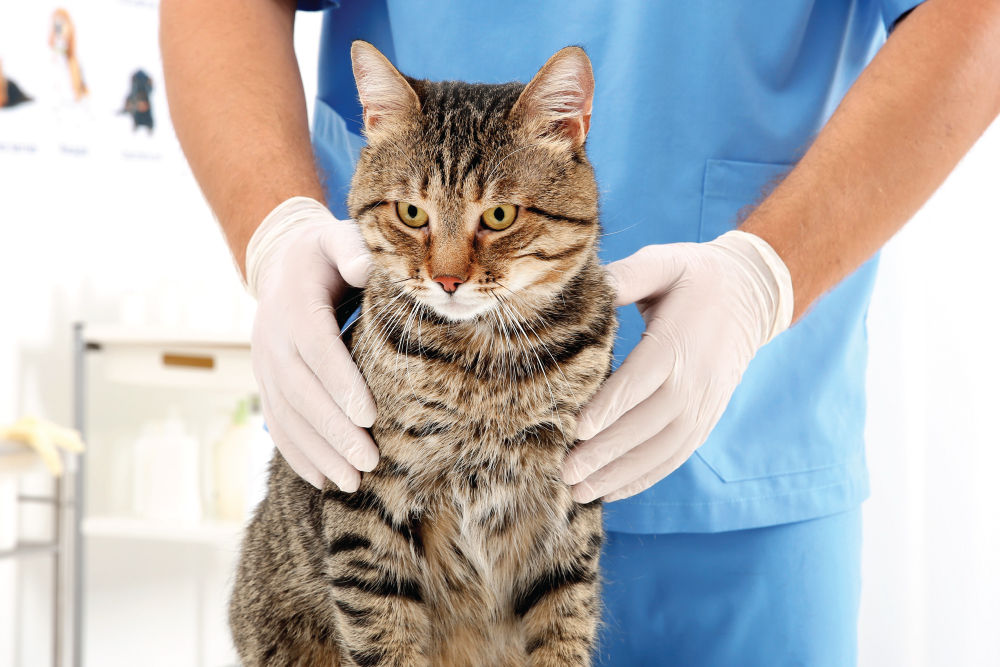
(487, 323)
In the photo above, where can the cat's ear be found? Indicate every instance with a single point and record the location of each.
(558, 100)
(386, 97)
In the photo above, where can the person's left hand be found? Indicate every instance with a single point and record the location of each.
(708, 308)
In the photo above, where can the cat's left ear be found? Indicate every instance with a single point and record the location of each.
(558, 100)
(387, 99)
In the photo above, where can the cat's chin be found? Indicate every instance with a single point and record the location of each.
(459, 311)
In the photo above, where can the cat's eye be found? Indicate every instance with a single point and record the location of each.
(411, 214)
(499, 217)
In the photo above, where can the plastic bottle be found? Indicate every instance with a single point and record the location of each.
(166, 476)
(241, 461)
(231, 454)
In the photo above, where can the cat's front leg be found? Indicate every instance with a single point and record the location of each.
(382, 630)
(560, 604)
(374, 564)
(561, 628)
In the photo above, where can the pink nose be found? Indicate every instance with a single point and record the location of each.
(449, 283)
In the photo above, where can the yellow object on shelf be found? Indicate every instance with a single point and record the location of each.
(45, 438)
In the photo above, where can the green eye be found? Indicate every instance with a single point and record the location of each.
(411, 214)
(500, 217)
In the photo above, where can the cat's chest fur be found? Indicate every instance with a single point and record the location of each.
(474, 411)
(483, 452)
(471, 438)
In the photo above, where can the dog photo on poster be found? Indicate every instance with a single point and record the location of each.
(80, 79)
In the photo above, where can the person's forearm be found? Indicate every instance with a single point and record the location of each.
(238, 107)
(927, 96)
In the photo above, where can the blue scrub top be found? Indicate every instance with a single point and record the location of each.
(699, 108)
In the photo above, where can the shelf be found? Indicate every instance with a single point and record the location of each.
(219, 533)
(157, 337)
(29, 549)
(181, 360)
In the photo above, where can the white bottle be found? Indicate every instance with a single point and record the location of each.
(166, 473)
(242, 459)
(229, 461)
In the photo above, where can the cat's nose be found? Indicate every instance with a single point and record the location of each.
(449, 283)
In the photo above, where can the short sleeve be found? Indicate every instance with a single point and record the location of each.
(316, 5)
(894, 11)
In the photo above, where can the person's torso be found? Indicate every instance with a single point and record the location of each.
(699, 107)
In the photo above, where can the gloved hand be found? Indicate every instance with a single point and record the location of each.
(45, 438)
(300, 262)
(708, 308)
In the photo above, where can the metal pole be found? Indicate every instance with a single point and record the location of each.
(76, 536)
(58, 585)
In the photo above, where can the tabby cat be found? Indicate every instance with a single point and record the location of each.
(486, 325)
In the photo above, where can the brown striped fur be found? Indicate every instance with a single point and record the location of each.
(463, 547)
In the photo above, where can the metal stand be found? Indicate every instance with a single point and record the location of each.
(65, 547)
(75, 639)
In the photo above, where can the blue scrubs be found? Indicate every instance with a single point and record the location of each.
(763, 597)
(699, 108)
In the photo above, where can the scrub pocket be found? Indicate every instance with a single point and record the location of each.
(729, 188)
(800, 405)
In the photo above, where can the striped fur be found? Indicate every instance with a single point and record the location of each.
(463, 547)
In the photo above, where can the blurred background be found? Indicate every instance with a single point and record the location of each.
(122, 312)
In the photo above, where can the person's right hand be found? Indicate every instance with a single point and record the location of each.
(300, 262)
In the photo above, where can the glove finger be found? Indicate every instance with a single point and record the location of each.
(324, 352)
(680, 449)
(634, 463)
(634, 427)
(644, 370)
(306, 396)
(653, 476)
(345, 248)
(648, 271)
(46, 449)
(314, 448)
(67, 438)
(293, 456)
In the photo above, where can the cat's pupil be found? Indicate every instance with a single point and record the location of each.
(411, 211)
(498, 214)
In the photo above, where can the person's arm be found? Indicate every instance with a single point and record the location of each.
(237, 103)
(916, 109)
(929, 93)
(238, 107)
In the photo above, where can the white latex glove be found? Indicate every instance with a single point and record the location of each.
(300, 262)
(45, 438)
(708, 308)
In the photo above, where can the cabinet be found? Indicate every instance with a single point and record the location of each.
(165, 579)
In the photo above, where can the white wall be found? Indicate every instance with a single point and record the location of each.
(932, 526)
(104, 226)
(116, 233)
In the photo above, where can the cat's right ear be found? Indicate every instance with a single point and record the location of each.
(557, 102)
(386, 97)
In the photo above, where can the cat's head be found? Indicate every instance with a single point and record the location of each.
(473, 194)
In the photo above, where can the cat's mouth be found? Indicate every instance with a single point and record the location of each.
(464, 303)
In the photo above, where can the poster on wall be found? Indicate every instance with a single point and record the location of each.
(81, 78)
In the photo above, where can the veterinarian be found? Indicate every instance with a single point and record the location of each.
(731, 437)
